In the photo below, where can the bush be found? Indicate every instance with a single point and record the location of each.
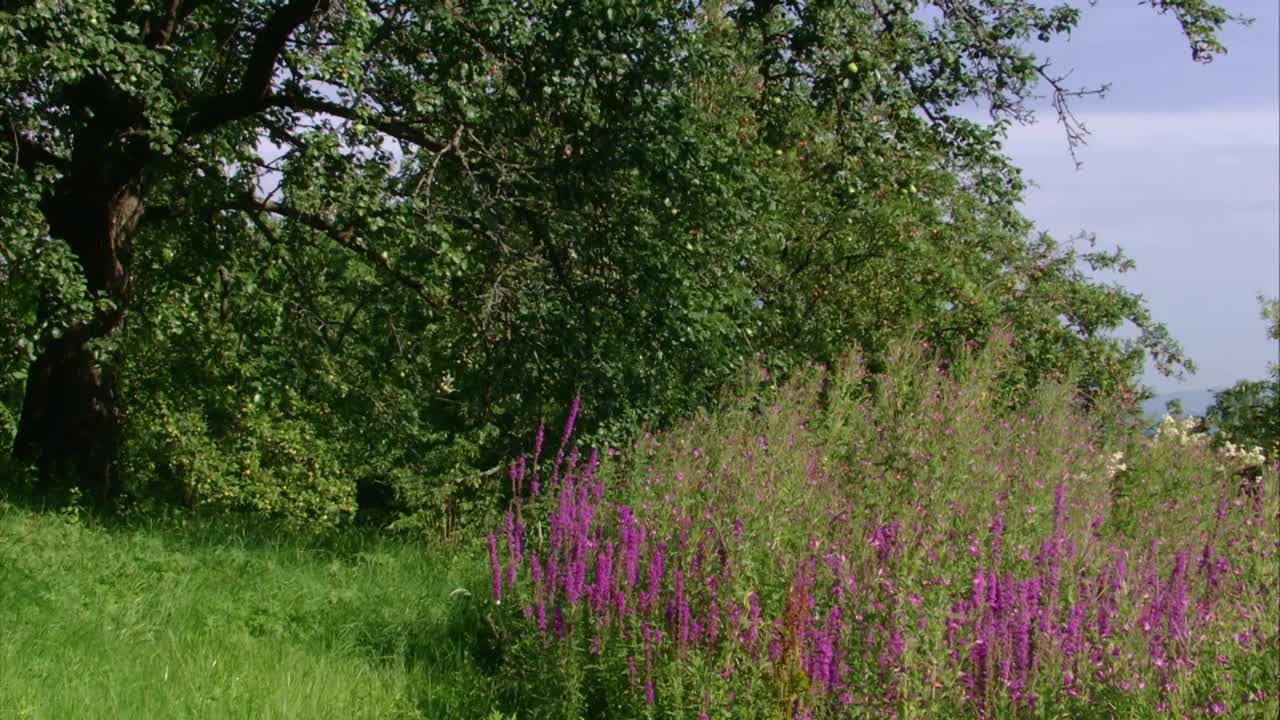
(901, 543)
(1248, 412)
(272, 467)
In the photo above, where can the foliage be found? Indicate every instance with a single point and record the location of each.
(859, 511)
(272, 468)
(1249, 411)
(907, 543)
(415, 226)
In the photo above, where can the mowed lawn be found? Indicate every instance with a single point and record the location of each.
(165, 621)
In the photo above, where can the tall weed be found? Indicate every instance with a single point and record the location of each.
(903, 543)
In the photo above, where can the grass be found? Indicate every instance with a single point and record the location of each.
(838, 545)
(909, 547)
(165, 621)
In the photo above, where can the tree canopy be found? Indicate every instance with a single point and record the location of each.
(1248, 412)
(321, 247)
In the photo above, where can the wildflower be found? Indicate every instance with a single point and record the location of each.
(753, 619)
(656, 562)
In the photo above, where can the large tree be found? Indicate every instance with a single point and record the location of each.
(624, 197)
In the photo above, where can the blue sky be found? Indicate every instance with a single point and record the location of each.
(1182, 171)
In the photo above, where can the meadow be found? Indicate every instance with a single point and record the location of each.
(840, 543)
(171, 619)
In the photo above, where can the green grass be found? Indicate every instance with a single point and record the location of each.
(163, 621)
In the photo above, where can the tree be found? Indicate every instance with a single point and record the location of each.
(1248, 412)
(506, 202)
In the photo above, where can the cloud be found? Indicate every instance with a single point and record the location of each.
(1194, 196)
(1155, 131)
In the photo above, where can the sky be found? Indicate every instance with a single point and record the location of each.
(1182, 171)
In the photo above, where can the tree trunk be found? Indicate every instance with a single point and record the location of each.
(71, 416)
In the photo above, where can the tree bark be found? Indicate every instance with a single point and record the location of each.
(71, 420)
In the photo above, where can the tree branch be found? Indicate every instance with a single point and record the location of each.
(27, 153)
(158, 35)
(400, 129)
(1077, 133)
(346, 236)
(254, 89)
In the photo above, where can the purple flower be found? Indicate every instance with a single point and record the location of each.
(632, 538)
(753, 620)
(656, 562)
(537, 443)
(517, 477)
(775, 643)
(895, 644)
(568, 431)
(1104, 620)
(831, 635)
(577, 577)
(1021, 651)
(979, 587)
(552, 575)
(682, 612)
(601, 591)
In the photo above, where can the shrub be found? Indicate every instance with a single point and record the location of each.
(272, 467)
(1248, 412)
(901, 543)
